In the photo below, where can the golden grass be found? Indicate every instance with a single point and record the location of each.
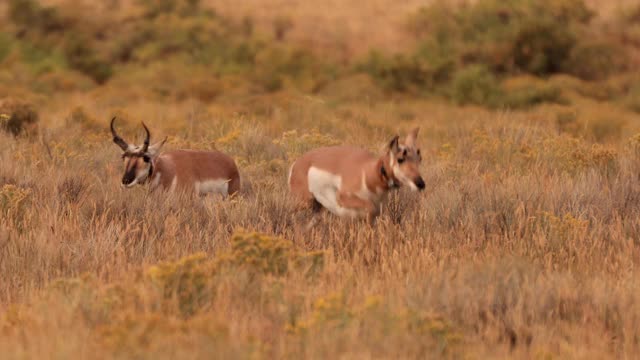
(523, 245)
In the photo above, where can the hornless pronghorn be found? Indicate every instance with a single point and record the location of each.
(196, 171)
(351, 182)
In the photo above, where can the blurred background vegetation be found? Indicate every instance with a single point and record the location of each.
(496, 54)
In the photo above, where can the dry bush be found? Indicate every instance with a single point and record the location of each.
(18, 117)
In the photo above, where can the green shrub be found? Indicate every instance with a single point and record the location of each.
(513, 36)
(276, 66)
(409, 73)
(155, 8)
(470, 48)
(5, 46)
(529, 92)
(541, 47)
(595, 60)
(476, 85)
(40, 58)
(198, 39)
(82, 57)
(30, 15)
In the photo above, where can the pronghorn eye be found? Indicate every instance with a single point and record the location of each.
(400, 161)
(418, 151)
(146, 158)
(404, 152)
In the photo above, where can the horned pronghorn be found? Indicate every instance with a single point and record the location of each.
(351, 182)
(198, 171)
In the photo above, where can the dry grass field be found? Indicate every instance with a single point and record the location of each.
(523, 245)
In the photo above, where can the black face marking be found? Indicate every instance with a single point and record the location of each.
(129, 176)
(131, 166)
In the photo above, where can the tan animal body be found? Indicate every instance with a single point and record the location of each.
(197, 171)
(351, 182)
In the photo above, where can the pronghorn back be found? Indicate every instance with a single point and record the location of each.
(201, 171)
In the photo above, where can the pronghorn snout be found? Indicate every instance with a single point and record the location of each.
(419, 183)
(128, 178)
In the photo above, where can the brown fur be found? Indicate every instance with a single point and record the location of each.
(195, 165)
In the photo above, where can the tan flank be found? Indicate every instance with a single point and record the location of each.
(351, 182)
(197, 171)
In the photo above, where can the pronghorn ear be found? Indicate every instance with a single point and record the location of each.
(394, 146)
(410, 140)
(154, 149)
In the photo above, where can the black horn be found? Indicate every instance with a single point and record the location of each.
(117, 139)
(145, 147)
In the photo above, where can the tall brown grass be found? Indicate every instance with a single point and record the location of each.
(523, 245)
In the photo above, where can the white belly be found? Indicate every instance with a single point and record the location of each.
(325, 186)
(218, 186)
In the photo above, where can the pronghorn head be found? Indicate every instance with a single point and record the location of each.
(404, 161)
(138, 160)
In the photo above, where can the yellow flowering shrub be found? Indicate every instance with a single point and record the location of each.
(14, 201)
(564, 227)
(186, 281)
(296, 143)
(264, 254)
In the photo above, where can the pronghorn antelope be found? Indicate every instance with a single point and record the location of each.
(351, 182)
(196, 171)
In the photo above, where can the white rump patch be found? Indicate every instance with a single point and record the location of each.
(217, 186)
(325, 186)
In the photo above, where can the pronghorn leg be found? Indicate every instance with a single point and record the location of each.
(351, 201)
(234, 187)
(316, 209)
